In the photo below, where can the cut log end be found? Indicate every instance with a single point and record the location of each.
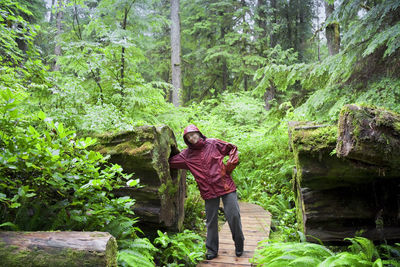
(58, 249)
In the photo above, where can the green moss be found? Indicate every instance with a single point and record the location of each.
(314, 139)
(15, 256)
(396, 127)
(169, 187)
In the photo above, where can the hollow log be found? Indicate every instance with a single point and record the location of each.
(144, 152)
(370, 135)
(331, 215)
(57, 249)
(317, 165)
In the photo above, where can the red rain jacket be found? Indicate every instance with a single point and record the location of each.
(205, 161)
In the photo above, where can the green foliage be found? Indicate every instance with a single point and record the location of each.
(137, 252)
(361, 252)
(194, 207)
(181, 249)
(46, 172)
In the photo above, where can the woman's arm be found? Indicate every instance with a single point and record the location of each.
(231, 150)
(178, 161)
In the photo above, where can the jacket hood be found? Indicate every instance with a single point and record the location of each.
(190, 129)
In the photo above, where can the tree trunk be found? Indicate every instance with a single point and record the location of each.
(370, 136)
(332, 32)
(144, 152)
(64, 249)
(51, 12)
(175, 53)
(224, 64)
(57, 48)
(269, 96)
(122, 67)
(262, 24)
(274, 22)
(289, 26)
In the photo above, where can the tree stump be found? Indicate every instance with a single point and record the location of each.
(144, 152)
(57, 249)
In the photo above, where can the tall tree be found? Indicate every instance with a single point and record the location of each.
(332, 31)
(59, 18)
(175, 52)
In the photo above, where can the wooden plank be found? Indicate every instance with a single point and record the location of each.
(230, 259)
(256, 227)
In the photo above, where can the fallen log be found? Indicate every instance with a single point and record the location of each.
(367, 209)
(370, 135)
(144, 152)
(317, 165)
(57, 249)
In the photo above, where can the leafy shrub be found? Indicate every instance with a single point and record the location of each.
(181, 249)
(194, 207)
(46, 172)
(361, 252)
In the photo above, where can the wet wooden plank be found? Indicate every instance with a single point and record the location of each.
(256, 224)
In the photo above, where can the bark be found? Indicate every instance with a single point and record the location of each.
(371, 136)
(273, 36)
(332, 215)
(319, 168)
(224, 64)
(175, 53)
(269, 96)
(332, 32)
(57, 249)
(144, 152)
(261, 22)
(339, 197)
(289, 27)
(51, 12)
(57, 48)
(122, 67)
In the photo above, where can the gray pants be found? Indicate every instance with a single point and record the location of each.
(232, 215)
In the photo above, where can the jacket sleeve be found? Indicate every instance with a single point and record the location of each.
(231, 150)
(178, 161)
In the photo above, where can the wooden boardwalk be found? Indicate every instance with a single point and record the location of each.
(256, 224)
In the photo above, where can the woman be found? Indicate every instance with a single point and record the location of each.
(204, 158)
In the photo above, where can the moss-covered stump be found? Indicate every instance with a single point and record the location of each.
(145, 152)
(317, 166)
(57, 249)
(370, 210)
(370, 135)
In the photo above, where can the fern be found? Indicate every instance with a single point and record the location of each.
(139, 252)
(182, 248)
(362, 252)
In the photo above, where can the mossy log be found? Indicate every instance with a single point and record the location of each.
(144, 152)
(372, 136)
(332, 215)
(317, 165)
(57, 249)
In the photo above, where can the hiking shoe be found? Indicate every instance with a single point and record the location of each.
(210, 256)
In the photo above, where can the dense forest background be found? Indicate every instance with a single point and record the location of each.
(73, 68)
